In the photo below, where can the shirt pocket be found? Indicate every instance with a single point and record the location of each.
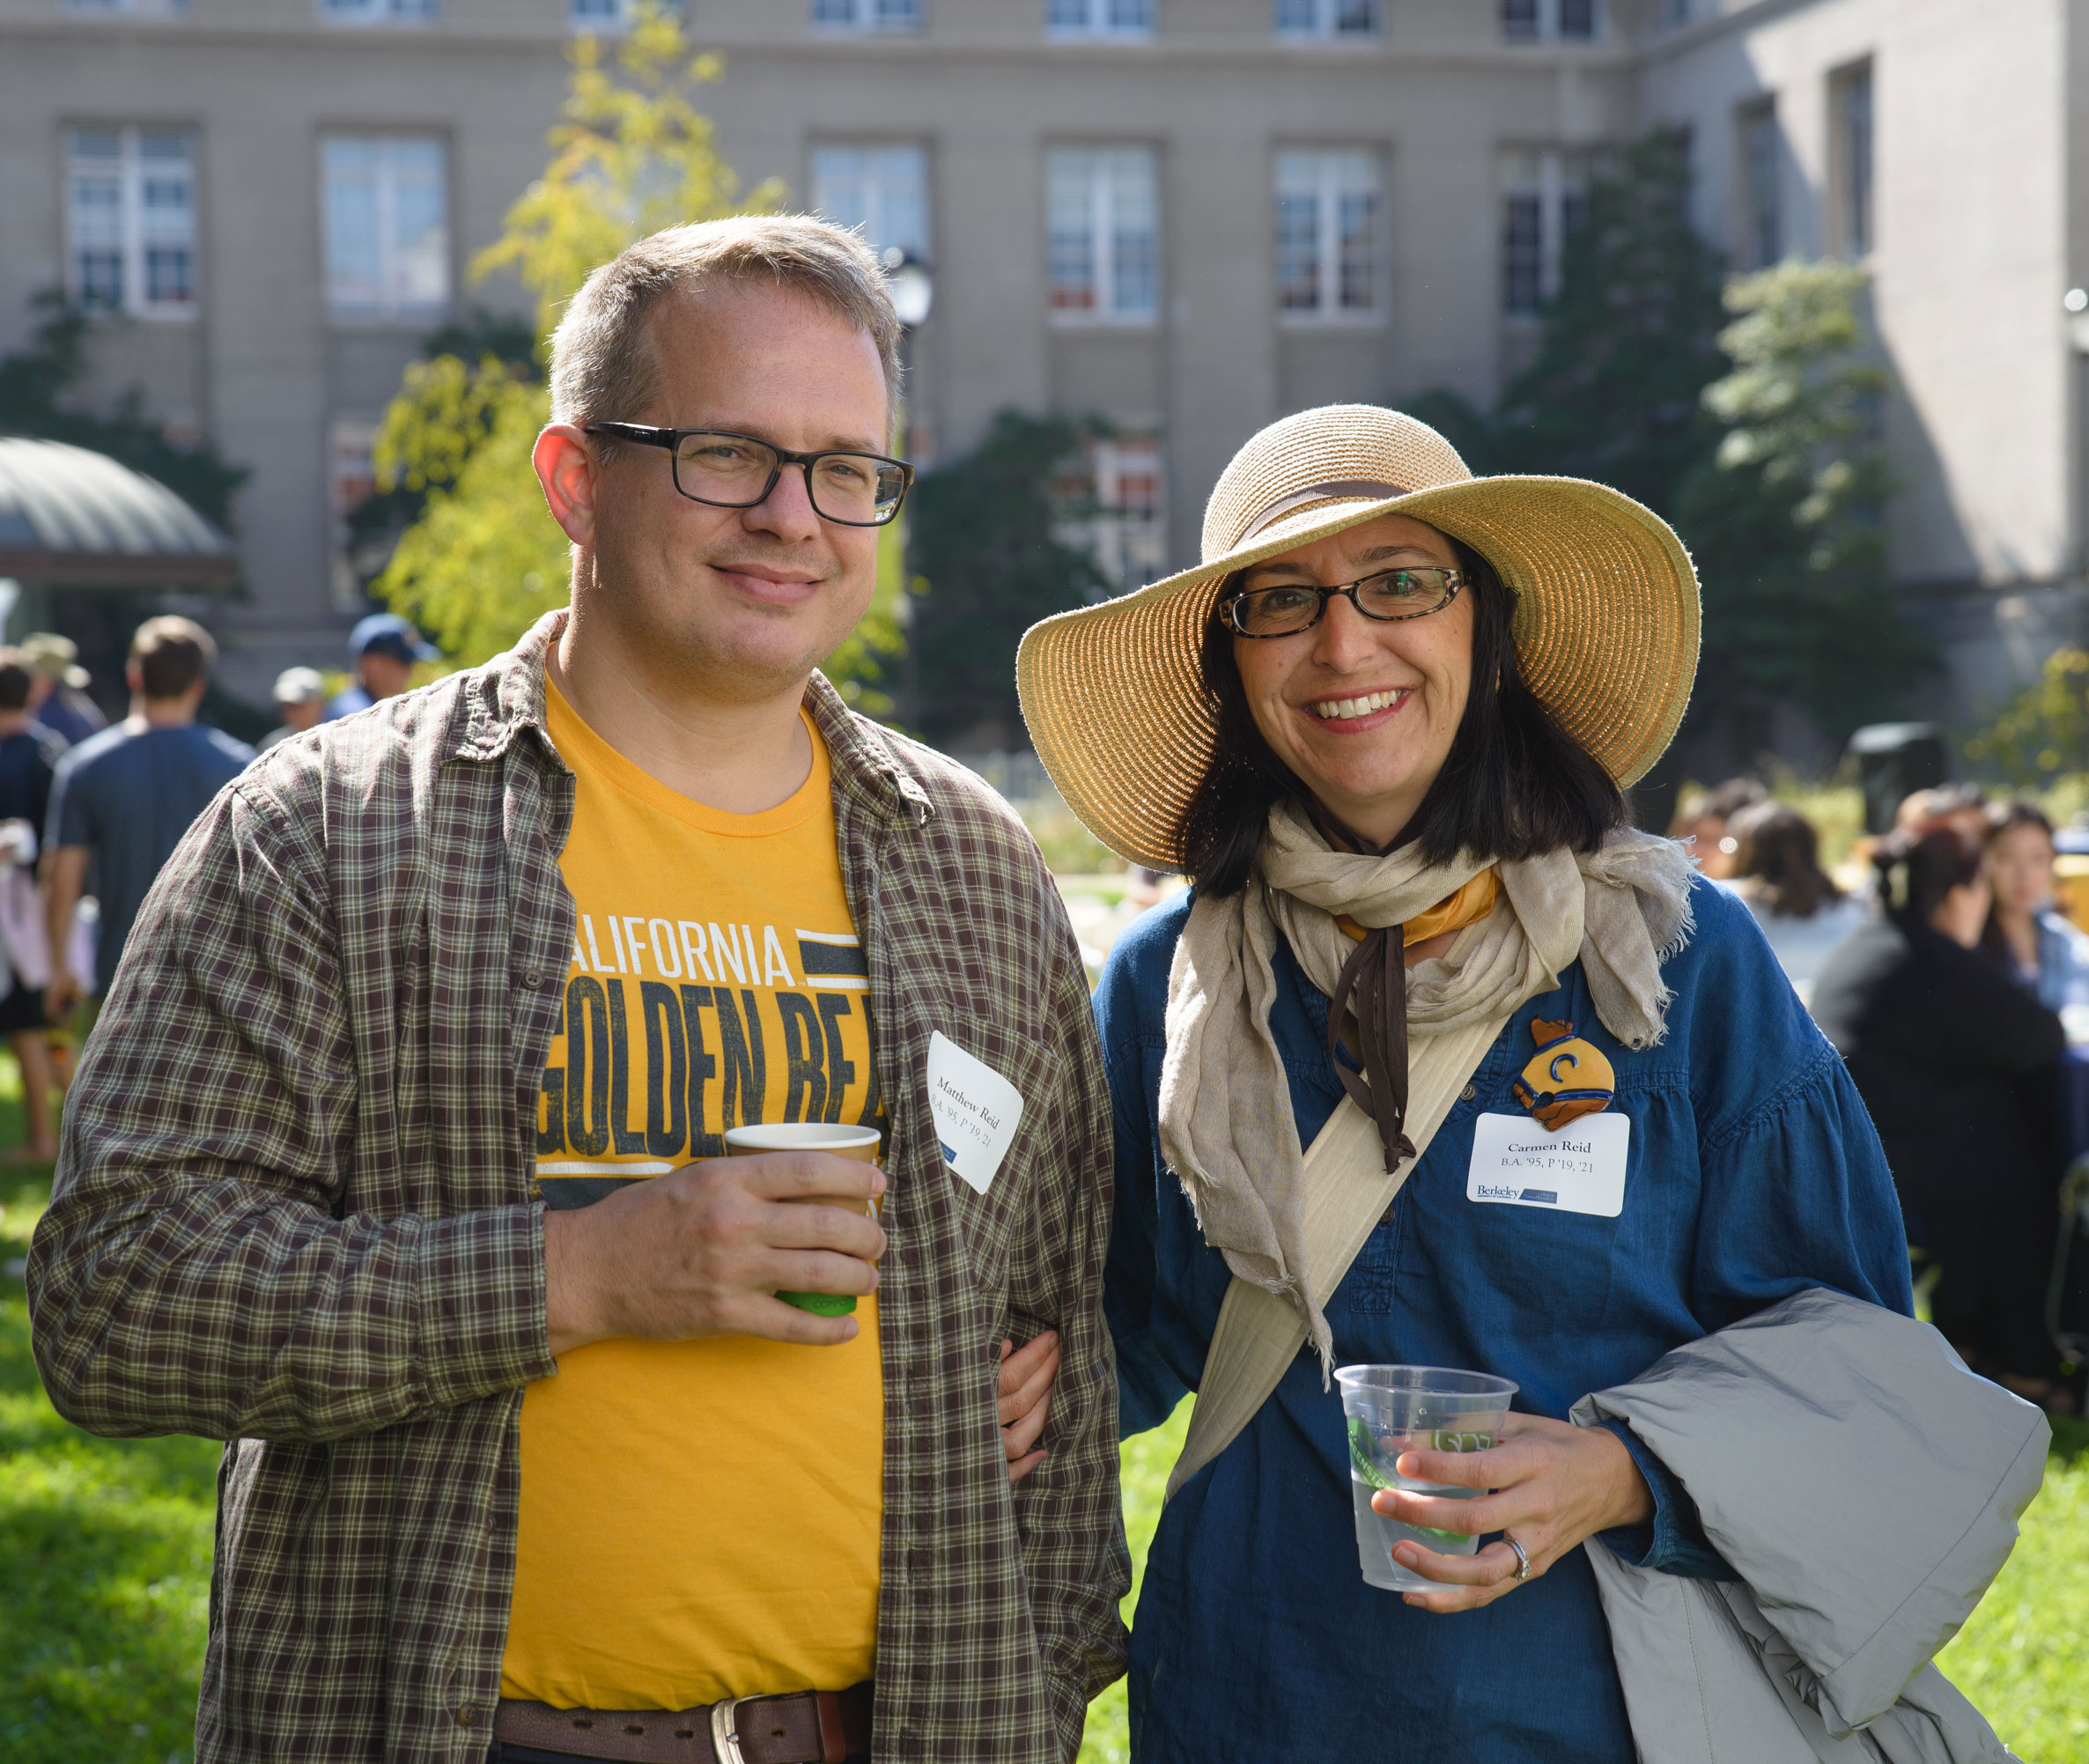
(989, 1221)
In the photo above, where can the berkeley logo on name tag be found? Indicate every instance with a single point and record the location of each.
(1581, 1168)
(976, 1110)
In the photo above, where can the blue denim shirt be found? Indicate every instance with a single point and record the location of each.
(1752, 1172)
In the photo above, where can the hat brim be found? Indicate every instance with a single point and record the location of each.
(1606, 626)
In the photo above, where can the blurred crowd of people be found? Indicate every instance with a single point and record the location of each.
(90, 811)
(1941, 968)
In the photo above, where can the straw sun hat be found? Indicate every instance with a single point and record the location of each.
(1606, 621)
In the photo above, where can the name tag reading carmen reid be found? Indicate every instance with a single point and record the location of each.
(1581, 1168)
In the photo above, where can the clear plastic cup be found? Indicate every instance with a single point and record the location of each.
(1391, 1409)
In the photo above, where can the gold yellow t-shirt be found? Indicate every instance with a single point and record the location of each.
(700, 1519)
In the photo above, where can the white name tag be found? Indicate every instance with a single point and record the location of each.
(1581, 1168)
(976, 1110)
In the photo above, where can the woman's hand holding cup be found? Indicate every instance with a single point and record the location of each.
(1554, 1485)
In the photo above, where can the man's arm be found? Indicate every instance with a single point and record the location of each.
(1072, 1523)
(194, 1273)
(64, 875)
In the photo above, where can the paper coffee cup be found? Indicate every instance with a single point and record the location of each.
(858, 1143)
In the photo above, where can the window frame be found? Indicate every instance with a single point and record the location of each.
(1562, 178)
(388, 312)
(126, 9)
(1326, 24)
(134, 247)
(378, 15)
(1330, 260)
(866, 19)
(922, 248)
(1546, 23)
(1853, 167)
(1096, 27)
(1103, 236)
(1756, 120)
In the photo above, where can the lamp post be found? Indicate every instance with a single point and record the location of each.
(912, 285)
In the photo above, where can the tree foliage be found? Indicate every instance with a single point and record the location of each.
(630, 155)
(35, 383)
(1627, 345)
(986, 544)
(2043, 732)
(1787, 521)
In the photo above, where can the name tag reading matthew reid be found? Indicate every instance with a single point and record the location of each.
(976, 1110)
(1581, 1168)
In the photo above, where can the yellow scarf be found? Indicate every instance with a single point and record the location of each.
(1467, 905)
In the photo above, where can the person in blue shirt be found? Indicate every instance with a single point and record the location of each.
(122, 798)
(1384, 729)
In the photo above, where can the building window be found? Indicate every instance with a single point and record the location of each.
(1550, 21)
(1545, 196)
(599, 15)
(1762, 156)
(862, 17)
(1111, 506)
(880, 192)
(1121, 20)
(1327, 233)
(386, 200)
(1849, 158)
(378, 12)
(136, 9)
(131, 211)
(1102, 206)
(1326, 18)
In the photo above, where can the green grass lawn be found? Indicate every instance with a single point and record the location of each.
(105, 1571)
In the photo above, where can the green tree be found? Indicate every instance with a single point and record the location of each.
(1787, 521)
(1627, 345)
(2043, 732)
(34, 383)
(985, 542)
(630, 155)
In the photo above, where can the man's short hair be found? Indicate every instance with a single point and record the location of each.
(172, 653)
(602, 369)
(16, 677)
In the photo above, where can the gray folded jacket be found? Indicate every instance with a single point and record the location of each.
(1866, 1487)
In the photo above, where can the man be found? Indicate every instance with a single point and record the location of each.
(393, 1111)
(124, 798)
(28, 754)
(300, 702)
(58, 698)
(382, 650)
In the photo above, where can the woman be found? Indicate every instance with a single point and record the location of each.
(1395, 781)
(1957, 1066)
(1777, 872)
(2042, 950)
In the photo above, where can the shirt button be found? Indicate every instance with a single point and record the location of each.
(1468, 1093)
(469, 1716)
(532, 980)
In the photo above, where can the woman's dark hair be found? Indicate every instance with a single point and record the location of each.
(1515, 784)
(1777, 844)
(1919, 866)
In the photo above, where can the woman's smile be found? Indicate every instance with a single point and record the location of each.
(1358, 713)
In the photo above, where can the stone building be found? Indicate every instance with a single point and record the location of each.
(1188, 216)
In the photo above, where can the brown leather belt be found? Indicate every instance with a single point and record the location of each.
(807, 1727)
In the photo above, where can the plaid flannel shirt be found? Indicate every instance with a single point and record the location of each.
(294, 1211)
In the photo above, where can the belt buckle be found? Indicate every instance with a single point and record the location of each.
(725, 1734)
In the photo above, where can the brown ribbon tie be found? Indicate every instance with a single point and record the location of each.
(805, 1727)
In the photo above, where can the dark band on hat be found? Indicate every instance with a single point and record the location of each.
(1368, 489)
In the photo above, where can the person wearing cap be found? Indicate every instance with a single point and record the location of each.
(58, 698)
(1385, 727)
(382, 650)
(300, 701)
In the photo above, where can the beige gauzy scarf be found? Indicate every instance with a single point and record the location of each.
(1226, 1126)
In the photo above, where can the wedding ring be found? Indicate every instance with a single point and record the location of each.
(1523, 1562)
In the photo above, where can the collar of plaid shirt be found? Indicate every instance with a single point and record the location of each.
(294, 1211)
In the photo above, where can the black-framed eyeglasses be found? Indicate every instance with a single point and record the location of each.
(728, 471)
(1388, 596)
